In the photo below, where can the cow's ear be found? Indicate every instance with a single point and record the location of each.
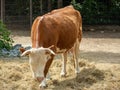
(49, 51)
(27, 52)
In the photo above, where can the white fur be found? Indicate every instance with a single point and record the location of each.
(37, 43)
(75, 56)
(37, 60)
(43, 83)
(64, 60)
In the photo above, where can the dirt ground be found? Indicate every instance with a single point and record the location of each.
(99, 62)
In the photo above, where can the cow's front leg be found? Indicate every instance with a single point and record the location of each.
(64, 60)
(48, 76)
(43, 83)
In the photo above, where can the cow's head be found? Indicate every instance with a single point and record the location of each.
(38, 58)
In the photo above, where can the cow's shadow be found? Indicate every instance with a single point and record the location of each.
(86, 78)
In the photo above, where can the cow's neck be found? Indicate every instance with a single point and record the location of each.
(38, 33)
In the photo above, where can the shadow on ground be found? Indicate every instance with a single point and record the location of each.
(86, 78)
(101, 57)
(101, 34)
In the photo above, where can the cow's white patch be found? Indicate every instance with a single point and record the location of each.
(43, 83)
(77, 70)
(64, 59)
(76, 54)
(37, 61)
(37, 34)
(62, 74)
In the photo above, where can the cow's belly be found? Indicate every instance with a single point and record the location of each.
(58, 50)
(67, 40)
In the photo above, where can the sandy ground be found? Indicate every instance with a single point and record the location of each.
(99, 46)
(99, 61)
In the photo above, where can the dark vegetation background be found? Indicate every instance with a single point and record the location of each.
(16, 14)
(94, 12)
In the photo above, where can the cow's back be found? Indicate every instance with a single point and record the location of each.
(59, 28)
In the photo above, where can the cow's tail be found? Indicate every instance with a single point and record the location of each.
(80, 27)
(79, 18)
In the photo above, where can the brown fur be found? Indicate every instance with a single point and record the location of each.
(22, 50)
(60, 28)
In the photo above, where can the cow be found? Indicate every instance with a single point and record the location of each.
(56, 32)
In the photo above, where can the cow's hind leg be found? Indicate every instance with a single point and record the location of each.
(64, 60)
(75, 56)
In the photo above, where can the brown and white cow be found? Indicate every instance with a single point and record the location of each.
(53, 33)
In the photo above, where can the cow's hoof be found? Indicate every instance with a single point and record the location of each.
(77, 71)
(63, 74)
(43, 86)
